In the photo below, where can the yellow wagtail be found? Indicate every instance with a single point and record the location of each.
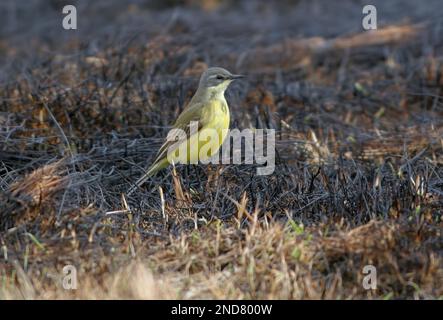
(209, 110)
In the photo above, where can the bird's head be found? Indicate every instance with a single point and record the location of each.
(217, 79)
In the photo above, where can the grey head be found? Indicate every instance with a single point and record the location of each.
(217, 77)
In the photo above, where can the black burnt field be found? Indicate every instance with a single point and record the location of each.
(358, 179)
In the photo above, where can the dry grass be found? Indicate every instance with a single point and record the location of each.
(358, 180)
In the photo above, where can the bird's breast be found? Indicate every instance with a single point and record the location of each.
(219, 114)
(219, 119)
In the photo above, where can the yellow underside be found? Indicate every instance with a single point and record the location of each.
(204, 144)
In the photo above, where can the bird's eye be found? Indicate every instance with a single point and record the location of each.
(219, 77)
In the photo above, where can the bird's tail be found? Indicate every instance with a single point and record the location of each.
(163, 163)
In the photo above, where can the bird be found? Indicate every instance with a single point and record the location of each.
(208, 112)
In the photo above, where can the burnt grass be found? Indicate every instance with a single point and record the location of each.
(359, 151)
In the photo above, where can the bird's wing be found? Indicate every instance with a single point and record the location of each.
(190, 114)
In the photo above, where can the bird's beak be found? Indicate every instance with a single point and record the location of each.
(236, 76)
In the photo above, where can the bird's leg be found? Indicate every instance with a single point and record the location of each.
(213, 174)
(209, 174)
